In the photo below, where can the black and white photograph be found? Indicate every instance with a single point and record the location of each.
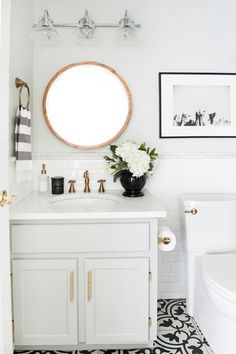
(197, 105)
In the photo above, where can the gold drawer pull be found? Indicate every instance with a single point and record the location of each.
(193, 211)
(71, 286)
(89, 285)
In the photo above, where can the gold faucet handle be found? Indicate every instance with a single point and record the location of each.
(72, 185)
(4, 200)
(101, 186)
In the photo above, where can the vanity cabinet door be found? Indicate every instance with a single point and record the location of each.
(117, 301)
(45, 301)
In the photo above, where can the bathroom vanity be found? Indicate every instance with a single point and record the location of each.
(84, 271)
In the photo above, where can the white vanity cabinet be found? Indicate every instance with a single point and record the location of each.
(84, 284)
(45, 301)
(117, 303)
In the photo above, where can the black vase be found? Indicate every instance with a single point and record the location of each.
(132, 185)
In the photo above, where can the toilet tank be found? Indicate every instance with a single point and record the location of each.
(212, 225)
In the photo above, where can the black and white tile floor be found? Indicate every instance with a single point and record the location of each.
(177, 334)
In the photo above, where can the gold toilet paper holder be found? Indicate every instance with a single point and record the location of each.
(165, 240)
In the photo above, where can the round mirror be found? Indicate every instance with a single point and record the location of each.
(87, 105)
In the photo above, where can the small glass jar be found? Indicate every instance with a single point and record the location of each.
(58, 185)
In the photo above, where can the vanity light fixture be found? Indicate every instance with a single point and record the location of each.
(85, 30)
(44, 31)
(128, 32)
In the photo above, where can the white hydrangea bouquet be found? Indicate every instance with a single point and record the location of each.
(136, 160)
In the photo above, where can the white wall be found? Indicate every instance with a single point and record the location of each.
(21, 53)
(178, 36)
(21, 65)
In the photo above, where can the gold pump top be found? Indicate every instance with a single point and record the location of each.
(86, 182)
(43, 171)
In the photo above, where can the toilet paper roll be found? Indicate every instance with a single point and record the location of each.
(166, 239)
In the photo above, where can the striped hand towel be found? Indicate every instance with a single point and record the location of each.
(23, 149)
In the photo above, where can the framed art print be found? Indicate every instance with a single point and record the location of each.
(197, 105)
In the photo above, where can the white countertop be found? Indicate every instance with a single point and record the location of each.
(44, 206)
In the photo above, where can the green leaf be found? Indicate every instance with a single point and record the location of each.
(153, 152)
(117, 157)
(107, 158)
(150, 166)
(142, 147)
(117, 175)
(153, 158)
(113, 148)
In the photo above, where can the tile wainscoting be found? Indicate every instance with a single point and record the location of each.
(19, 186)
(174, 175)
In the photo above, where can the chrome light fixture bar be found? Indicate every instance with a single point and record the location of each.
(85, 29)
(125, 19)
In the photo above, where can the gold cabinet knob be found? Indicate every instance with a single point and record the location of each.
(4, 200)
(193, 211)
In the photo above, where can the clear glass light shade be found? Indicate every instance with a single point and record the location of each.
(86, 32)
(44, 32)
(83, 35)
(45, 36)
(127, 33)
(127, 36)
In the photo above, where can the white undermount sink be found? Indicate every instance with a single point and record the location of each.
(84, 201)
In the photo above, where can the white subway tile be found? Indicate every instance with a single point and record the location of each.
(172, 178)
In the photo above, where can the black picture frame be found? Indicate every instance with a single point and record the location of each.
(225, 82)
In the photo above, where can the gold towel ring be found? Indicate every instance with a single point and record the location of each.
(22, 84)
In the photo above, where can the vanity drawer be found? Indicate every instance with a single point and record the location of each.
(105, 237)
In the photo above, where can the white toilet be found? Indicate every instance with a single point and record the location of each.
(210, 242)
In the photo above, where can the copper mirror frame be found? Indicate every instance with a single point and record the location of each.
(89, 147)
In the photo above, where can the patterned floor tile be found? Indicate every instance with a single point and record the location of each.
(180, 342)
(172, 315)
(55, 352)
(110, 351)
(139, 351)
(177, 333)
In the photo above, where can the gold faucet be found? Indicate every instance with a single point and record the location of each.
(86, 182)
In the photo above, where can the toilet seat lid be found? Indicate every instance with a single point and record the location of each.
(220, 271)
